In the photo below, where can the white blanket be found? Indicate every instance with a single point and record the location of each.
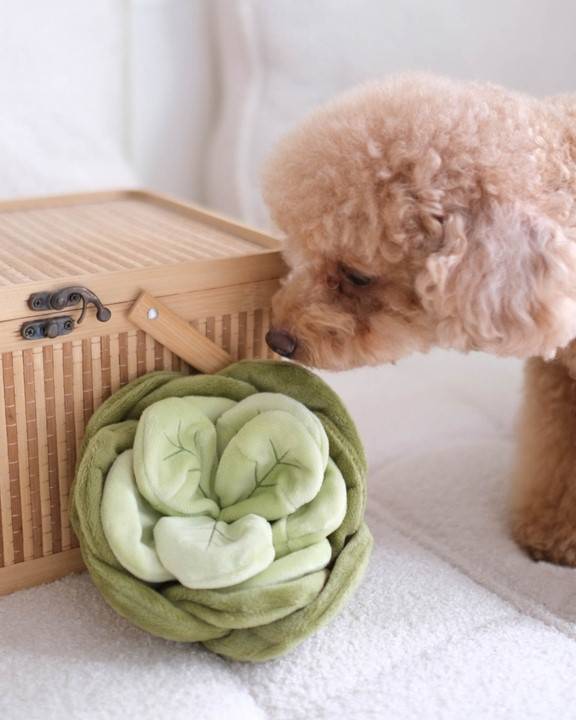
(452, 620)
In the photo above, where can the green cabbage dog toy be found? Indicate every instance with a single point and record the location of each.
(224, 509)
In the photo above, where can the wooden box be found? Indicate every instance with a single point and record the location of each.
(214, 273)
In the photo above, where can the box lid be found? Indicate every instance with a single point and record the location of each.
(119, 243)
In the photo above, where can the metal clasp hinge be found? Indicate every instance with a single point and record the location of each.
(47, 328)
(63, 298)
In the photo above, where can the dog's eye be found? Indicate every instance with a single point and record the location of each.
(355, 277)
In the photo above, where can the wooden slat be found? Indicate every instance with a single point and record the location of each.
(42, 570)
(131, 355)
(87, 381)
(42, 446)
(140, 353)
(78, 392)
(13, 456)
(175, 333)
(115, 361)
(211, 329)
(62, 423)
(123, 357)
(176, 363)
(158, 355)
(23, 458)
(234, 334)
(227, 332)
(6, 534)
(70, 434)
(52, 430)
(32, 452)
(106, 367)
(241, 341)
(250, 334)
(95, 351)
(166, 357)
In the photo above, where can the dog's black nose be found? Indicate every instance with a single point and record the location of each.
(281, 342)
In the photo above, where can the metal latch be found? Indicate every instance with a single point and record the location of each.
(48, 327)
(64, 298)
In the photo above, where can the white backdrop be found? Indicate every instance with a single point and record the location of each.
(63, 97)
(187, 96)
(279, 58)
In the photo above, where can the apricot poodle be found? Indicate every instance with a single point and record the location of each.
(423, 212)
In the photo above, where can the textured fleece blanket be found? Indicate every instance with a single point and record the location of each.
(452, 620)
(218, 509)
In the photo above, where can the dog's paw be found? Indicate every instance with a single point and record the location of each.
(554, 544)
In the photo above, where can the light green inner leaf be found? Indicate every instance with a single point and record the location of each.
(128, 522)
(212, 407)
(315, 520)
(205, 553)
(295, 565)
(234, 419)
(271, 467)
(175, 457)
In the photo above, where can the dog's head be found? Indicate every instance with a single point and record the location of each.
(414, 217)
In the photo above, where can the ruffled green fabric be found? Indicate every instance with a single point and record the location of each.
(224, 509)
(196, 498)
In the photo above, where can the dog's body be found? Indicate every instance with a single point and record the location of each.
(423, 212)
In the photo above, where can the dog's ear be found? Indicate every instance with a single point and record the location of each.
(504, 281)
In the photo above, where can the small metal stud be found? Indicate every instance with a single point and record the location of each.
(152, 313)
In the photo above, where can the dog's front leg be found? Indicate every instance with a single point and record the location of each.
(544, 489)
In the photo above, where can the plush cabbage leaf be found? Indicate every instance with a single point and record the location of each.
(204, 553)
(271, 467)
(175, 457)
(233, 420)
(212, 407)
(315, 520)
(128, 522)
(295, 565)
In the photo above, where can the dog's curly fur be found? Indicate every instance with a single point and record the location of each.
(423, 212)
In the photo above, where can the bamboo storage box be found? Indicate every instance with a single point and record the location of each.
(100, 251)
